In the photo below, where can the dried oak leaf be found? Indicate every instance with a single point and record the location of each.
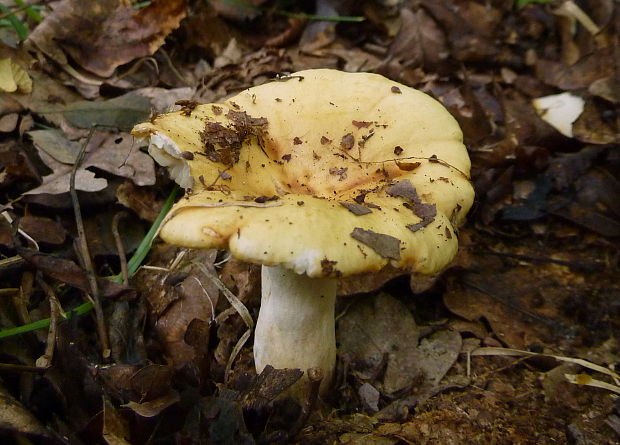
(113, 153)
(100, 36)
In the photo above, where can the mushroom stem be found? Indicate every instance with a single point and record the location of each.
(295, 327)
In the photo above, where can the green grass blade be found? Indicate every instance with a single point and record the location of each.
(132, 266)
(29, 10)
(18, 26)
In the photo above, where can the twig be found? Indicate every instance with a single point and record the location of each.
(174, 70)
(6, 264)
(579, 265)
(120, 249)
(85, 252)
(19, 369)
(84, 308)
(315, 377)
(20, 231)
(21, 299)
(45, 361)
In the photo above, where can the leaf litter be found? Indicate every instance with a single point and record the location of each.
(536, 270)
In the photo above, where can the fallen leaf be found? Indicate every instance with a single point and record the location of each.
(13, 78)
(59, 181)
(356, 209)
(154, 407)
(179, 298)
(68, 272)
(383, 326)
(113, 153)
(16, 419)
(16, 169)
(100, 36)
(8, 122)
(43, 229)
(420, 41)
(268, 385)
(54, 143)
(143, 201)
(385, 245)
(115, 429)
(122, 112)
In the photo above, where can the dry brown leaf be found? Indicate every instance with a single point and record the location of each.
(101, 35)
(113, 153)
(382, 327)
(419, 42)
(16, 419)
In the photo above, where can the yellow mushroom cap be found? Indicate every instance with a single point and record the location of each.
(324, 172)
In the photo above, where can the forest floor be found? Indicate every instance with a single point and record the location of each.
(517, 342)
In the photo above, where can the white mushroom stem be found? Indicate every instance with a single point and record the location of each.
(295, 327)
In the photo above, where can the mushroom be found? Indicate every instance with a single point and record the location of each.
(316, 176)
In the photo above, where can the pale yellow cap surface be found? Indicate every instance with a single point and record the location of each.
(326, 173)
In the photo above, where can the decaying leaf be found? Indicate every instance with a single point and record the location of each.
(116, 154)
(100, 36)
(154, 407)
(13, 78)
(385, 245)
(268, 385)
(122, 112)
(356, 209)
(54, 143)
(115, 429)
(383, 327)
(70, 273)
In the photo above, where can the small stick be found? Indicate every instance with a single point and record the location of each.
(315, 377)
(45, 361)
(22, 298)
(85, 252)
(119, 246)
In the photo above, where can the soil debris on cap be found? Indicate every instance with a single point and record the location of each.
(347, 141)
(222, 144)
(356, 209)
(297, 140)
(426, 212)
(404, 189)
(395, 90)
(361, 124)
(385, 245)
(325, 141)
(187, 106)
(408, 166)
(328, 268)
(263, 199)
(246, 124)
(398, 150)
(342, 172)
